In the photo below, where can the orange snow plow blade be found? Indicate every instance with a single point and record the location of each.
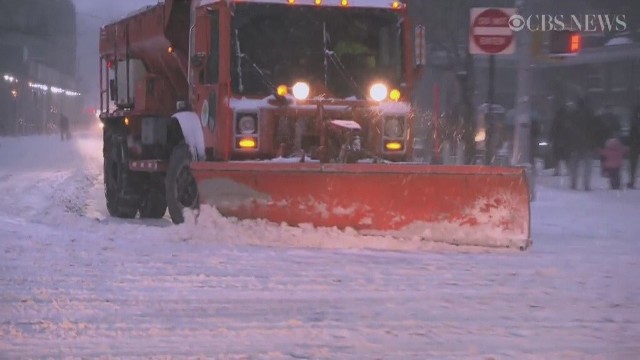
(462, 205)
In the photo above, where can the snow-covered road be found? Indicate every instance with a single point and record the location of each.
(76, 283)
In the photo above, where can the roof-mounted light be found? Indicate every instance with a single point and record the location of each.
(344, 2)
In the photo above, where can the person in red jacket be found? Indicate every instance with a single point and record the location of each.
(613, 153)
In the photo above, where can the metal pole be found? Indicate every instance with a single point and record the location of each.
(127, 57)
(521, 141)
(436, 111)
(489, 116)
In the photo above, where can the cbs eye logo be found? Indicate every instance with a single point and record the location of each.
(516, 23)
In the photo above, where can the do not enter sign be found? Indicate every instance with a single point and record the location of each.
(489, 31)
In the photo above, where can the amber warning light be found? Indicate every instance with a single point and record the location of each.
(575, 43)
(394, 4)
(393, 146)
(247, 143)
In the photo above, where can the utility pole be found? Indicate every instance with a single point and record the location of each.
(522, 139)
(489, 119)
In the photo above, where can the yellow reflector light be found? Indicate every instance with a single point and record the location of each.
(344, 2)
(126, 121)
(282, 90)
(393, 146)
(247, 143)
(396, 5)
(394, 95)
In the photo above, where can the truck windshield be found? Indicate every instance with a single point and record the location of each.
(338, 51)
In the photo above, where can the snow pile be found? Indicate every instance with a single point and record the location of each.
(207, 225)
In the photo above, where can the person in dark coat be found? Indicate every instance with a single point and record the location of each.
(65, 128)
(583, 142)
(534, 138)
(559, 139)
(634, 147)
(610, 122)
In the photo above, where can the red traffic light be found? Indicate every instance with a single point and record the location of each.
(565, 42)
(575, 43)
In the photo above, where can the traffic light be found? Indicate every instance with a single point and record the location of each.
(565, 42)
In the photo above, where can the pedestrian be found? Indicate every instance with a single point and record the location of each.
(65, 131)
(583, 142)
(613, 155)
(634, 147)
(609, 127)
(610, 122)
(559, 139)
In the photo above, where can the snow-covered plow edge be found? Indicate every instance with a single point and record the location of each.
(466, 205)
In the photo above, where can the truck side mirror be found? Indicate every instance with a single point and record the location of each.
(197, 60)
(420, 46)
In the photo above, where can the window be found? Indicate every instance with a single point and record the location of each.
(341, 50)
(595, 79)
(619, 76)
(215, 48)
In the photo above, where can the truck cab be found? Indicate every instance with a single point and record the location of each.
(270, 80)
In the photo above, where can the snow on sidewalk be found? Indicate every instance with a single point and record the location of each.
(76, 283)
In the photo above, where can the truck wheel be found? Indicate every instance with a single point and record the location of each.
(181, 186)
(121, 192)
(154, 203)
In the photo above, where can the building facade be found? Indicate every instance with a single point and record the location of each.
(38, 66)
(606, 70)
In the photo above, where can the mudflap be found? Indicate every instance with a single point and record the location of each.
(462, 205)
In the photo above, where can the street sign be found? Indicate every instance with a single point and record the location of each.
(489, 31)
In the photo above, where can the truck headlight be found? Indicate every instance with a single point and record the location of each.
(393, 127)
(247, 124)
(301, 90)
(378, 92)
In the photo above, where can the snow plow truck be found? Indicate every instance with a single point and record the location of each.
(293, 111)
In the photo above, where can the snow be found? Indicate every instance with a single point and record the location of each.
(619, 40)
(192, 131)
(254, 105)
(75, 283)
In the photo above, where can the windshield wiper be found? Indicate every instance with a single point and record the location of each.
(335, 59)
(240, 56)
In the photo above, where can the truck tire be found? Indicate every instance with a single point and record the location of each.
(181, 186)
(154, 203)
(121, 191)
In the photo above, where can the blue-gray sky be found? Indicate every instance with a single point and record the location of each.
(108, 9)
(91, 15)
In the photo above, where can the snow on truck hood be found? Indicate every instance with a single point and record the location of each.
(245, 104)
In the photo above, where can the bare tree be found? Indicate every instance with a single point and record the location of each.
(447, 29)
(447, 32)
